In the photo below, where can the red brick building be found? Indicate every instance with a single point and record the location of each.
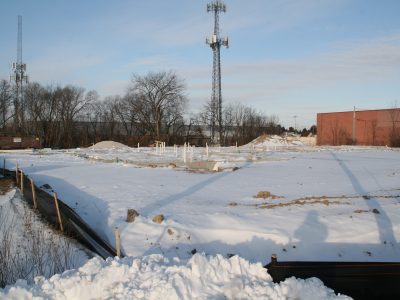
(367, 127)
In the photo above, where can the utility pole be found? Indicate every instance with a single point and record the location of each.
(215, 42)
(19, 77)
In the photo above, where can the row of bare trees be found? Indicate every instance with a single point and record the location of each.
(154, 106)
(241, 123)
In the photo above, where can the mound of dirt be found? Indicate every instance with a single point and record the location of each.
(108, 145)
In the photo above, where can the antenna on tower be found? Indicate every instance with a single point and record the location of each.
(19, 77)
(215, 42)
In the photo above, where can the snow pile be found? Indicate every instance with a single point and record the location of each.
(156, 277)
(276, 141)
(108, 145)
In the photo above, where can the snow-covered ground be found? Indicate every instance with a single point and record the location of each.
(28, 246)
(320, 203)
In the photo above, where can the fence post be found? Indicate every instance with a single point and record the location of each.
(184, 153)
(22, 182)
(117, 242)
(58, 211)
(16, 173)
(4, 167)
(33, 194)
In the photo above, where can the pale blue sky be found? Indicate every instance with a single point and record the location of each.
(286, 57)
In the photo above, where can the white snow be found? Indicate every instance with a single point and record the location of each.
(108, 145)
(28, 247)
(330, 203)
(156, 277)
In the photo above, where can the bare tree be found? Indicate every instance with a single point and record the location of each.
(72, 103)
(5, 102)
(110, 114)
(158, 94)
(42, 112)
(125, 109)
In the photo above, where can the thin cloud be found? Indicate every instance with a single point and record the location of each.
(115, 87)
(148, 62)
(60, 68)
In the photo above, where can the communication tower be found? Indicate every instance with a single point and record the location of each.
(19, 77)
(215, 42)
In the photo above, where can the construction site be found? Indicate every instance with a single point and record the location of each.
(185, 173)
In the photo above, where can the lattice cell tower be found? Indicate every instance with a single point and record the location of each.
(19, 77)
(215, 42)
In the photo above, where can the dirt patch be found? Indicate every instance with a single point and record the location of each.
(267, 194)
(325, 197)
(360, 211)
(300, 202)
(263, 194)
(6, 184)
(326, 200)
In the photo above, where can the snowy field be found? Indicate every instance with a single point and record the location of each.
(302, 203)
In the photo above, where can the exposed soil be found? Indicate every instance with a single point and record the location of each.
(300, 202)
(267, 194)
(6, 184)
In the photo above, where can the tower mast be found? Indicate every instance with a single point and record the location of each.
(215, 42)
(19, 77)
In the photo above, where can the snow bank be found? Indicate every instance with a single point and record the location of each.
(276, 141)
(108, 145)
(156, 277)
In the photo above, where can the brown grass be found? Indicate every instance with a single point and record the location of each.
(326, 197)
(301, 202)
(325, 200)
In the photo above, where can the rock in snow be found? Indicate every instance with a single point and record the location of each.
(156, 277)
(131, 215)
(158, 219)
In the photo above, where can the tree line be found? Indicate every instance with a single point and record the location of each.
(153, 108)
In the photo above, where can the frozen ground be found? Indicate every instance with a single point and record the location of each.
(324, 203)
